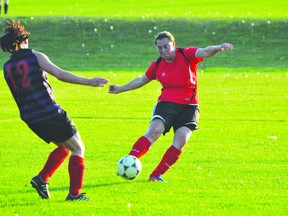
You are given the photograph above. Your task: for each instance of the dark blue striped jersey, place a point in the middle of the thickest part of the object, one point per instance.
(30, 88)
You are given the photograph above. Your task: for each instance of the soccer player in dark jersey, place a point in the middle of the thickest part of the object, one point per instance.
(177, 106)
(5, 6)
(25, 74)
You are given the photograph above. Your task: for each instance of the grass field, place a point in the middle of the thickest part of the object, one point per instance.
(90, 44)
(152, 9)
(236, 164)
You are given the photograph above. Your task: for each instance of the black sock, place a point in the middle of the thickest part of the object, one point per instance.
(5, 8)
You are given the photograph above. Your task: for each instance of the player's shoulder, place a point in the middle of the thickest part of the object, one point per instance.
(188, 49)
(190, 52)
(40, 55)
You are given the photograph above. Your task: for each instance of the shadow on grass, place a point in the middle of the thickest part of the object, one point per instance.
(66, 188)
(207, 119)
(116, 183)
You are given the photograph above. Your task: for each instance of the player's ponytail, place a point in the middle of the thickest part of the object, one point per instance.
(14, 35)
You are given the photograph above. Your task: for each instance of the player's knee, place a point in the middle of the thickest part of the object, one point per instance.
(77, 149)
(154, 134)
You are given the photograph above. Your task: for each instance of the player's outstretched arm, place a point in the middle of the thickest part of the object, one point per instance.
(134, 84)
(65, 76)
(212, 50)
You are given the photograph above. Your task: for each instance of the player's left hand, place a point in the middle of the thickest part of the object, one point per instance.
(226, 46)
(98, 82)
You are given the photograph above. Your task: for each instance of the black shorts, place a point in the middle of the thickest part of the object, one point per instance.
(57, 129)
(177, 115)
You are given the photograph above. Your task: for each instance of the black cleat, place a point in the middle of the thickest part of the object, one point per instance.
(81, 196)
(41, 187)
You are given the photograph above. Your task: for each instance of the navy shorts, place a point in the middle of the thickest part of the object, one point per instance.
(57, 129)
(177, 115)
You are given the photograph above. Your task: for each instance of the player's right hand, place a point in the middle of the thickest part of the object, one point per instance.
(113, 89)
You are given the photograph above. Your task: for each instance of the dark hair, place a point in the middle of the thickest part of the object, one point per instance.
(14, 35)
(164, 34)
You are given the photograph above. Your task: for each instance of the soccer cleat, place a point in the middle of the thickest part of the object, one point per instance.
(81, 196)
(156, 178)
(41, 187)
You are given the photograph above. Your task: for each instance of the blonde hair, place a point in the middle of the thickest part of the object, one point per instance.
(164, 34)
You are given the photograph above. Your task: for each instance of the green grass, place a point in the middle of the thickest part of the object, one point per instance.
(90, 44)
(231, 166)
(150, 8)
(102, 40)
(236, 164)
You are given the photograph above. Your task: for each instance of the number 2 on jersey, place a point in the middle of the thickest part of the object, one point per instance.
(22, 69)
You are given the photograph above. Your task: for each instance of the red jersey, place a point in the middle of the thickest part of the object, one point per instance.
(178, 78)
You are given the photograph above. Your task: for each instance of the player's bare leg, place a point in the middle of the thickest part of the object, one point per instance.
(143, 144)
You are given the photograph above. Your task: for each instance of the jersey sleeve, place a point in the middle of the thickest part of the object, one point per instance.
(190, 54)
(151, 71)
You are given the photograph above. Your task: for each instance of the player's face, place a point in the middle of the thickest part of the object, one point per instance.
(166, 48)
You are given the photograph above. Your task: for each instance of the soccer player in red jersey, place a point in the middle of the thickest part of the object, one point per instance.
(177, 106)
(25, 74)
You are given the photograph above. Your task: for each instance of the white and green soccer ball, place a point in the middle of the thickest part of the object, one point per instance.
(129, 167)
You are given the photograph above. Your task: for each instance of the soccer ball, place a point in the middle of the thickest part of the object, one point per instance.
(129, 167)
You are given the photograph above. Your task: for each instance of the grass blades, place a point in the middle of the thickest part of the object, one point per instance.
(234, 165)
(95, 44)
(208, 9)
